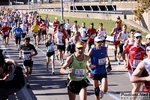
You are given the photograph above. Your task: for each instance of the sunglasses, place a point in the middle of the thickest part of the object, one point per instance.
(138, 37)
(81, 48)
(27, 41)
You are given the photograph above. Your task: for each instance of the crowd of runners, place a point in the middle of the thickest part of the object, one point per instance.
(85, 48)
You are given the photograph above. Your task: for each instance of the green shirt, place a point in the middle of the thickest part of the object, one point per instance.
(79, 69)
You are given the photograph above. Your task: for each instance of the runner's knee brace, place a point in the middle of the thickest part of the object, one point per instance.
(97, 91)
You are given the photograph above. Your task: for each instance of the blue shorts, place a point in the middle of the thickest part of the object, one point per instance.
(99, 76)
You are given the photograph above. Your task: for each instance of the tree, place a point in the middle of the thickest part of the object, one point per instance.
(142, 7)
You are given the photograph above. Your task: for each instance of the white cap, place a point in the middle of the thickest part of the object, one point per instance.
(98, 38)
(56, 18)
(137, 34)
(118, 16)
(147, 48)
(147, 36)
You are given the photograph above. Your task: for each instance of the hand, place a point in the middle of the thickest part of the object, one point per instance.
(90, 75)
(147, 78)
(30, 56)
(71, 70)
(20, 57)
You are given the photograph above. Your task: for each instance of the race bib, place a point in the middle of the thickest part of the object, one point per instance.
(135, 63)
(6, 33)
(79, 73)
(26, 57)
(102, 61)
(92, 36)
(50, 48)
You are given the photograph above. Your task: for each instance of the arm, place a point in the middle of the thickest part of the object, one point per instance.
(35, 52)
(125, 44)
(66, 64)
(137, 73)
(112, 32)
(118, 37)
(125, 57)
(11, 61)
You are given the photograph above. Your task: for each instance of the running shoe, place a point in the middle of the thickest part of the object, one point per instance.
(119, 63)
(101, 94)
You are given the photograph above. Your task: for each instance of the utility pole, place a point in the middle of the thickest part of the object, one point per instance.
(62, 10)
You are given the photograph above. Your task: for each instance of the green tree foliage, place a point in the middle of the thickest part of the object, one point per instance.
(142, 7)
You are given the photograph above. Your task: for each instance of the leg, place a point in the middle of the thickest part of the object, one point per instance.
(104, 85)
(115, 51)
(72, 96)
(53, 63)
(97, 90)
(83, 94)
(47, 62)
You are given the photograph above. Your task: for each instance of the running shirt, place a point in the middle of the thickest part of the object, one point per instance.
(55, 24)
(101, 33)
(50, 46)
(80, 69)
(92, 34)
(23, 27)
(83, 32)
(27, 50)
(5, 30)
(35, 28)
(68, 26)
(59, 36)
(123, 37)
(136, 55)
(43, 27)
(98, 59)
(116, 31)
(18, 32)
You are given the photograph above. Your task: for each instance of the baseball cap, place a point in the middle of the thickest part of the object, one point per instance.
(56, 18)
(118, 17)
(137, 34)
(147, 36)
(147, 48)
(79, 44)
(98, 38)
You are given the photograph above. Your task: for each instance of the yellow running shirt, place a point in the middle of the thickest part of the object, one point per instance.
(35, 28)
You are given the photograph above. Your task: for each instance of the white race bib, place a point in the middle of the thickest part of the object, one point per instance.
(79, 73)
(26, 57)
(102, 61)
(92, 36)
(6, 33)
(135, 63)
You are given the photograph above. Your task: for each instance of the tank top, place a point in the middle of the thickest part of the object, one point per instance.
(83, 31)
(80, 69)
(124, 36)
(102, 32)
(98, 58)
(116, 30)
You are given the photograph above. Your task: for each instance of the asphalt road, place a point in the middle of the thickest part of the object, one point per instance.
(45, 86)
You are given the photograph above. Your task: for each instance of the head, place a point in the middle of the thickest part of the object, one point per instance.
(148, 51)
(124, 27)
(27, 41)
(148, 38)
(118, 17)
(100, 25)
(132, 32)
(67, 20)
(49, 36)
(56, 19)
(91, 25)
(138, 37)
(83, 24)
(75, 22)
(98, 41)
(79, 48)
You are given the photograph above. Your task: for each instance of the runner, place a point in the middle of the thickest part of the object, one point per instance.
(18, 33)
(76, 83)
(142, 72)
(24, 28)
(43, 31)
(68, 26)
(91, 33)
(50, 55)
(74, 25)
(147, 40)
(98, 55)
(122, 37)
(115, 33)
(102, 33)
(47, 20)
(132, 56)
(5, 33)
(26, 54)
(35, 29)
(55, 24)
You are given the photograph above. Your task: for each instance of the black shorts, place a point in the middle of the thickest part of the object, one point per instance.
(49, 54)
(76, 86)
(28, 63)
(5, 36)
(35, 34)
(17, 40)
(69, 32)
(99, 76)
(43, 32)
(27, 29)
(85, 41)
(90, 43)
(23, 35)
(120, 48)
(61, 47)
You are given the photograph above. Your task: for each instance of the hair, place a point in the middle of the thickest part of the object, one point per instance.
(132, 30)
(75, 21)
(27, 38)
(101, 24)
(49, 34)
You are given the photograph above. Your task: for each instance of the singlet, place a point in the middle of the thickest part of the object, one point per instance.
(83, 31)
(136, 55)
(145, 73)
(102, 33)
(92, 34)
(80, 69)
(5, 29)
(116, 30)
(35, 28)
(50, 46)
(23, 27)
(124, 36)
(98, 58)
(26, 50)
(59, 37)
(68, 26)
(18, 32)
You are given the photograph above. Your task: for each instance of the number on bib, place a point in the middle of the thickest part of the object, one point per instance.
(79, 73)
(135, 63)
(102, 61)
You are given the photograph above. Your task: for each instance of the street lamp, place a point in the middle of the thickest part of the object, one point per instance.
(62, 11)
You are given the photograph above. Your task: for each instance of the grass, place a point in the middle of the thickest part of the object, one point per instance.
(108, 24)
